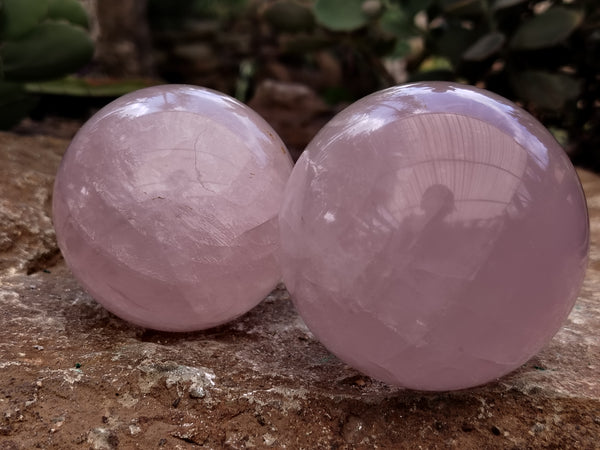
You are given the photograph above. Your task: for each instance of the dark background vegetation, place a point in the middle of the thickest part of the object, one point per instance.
(68, 57)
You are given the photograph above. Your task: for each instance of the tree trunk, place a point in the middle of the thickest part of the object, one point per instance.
(123, 43)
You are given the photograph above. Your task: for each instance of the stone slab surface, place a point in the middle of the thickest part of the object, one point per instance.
(74, 376)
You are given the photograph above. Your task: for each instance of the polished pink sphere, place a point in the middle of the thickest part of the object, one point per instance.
(434, 236)
(165, 207)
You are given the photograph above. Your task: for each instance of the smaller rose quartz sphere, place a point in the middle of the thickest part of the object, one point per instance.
(165, 207)
(434, 236)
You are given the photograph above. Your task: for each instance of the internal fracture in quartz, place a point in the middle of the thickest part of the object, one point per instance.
(165, 207)
(435, 236)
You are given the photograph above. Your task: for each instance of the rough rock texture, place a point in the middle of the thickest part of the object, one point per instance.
(74, 376)
(27, 169)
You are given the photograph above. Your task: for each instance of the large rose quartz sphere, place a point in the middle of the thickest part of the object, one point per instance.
(434, 236)
(165, 207)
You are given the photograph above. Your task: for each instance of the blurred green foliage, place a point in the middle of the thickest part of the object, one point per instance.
(39, 40)
(543, 54)
(507, 44)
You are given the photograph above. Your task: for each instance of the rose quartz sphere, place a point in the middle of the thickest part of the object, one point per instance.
(434, 236)
(165, 207)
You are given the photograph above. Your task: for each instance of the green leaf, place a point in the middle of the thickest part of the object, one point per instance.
(50, 50)
(86, 87)
(435, 63)
(485, 47)
(452, 41)
(290, 16)
(396, 22)
(548, 29)
(546, 90)
(401, 49)
(561, 135)
(15, 104)
(69, 10)
(340, 15)
(20, 16)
